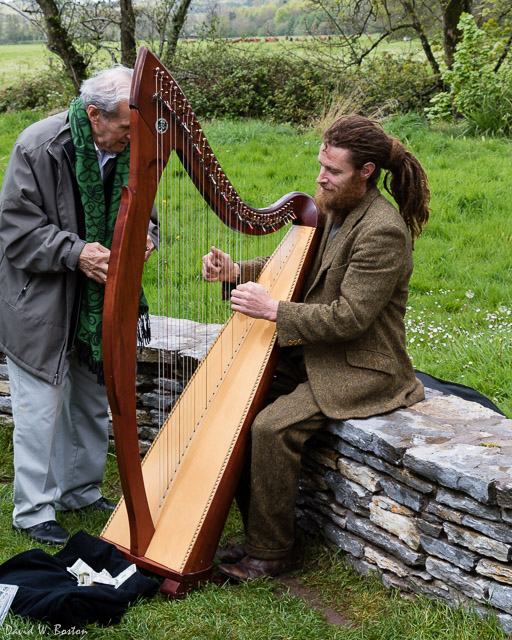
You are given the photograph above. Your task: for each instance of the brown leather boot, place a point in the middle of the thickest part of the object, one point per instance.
(230, 555)
(251, 568)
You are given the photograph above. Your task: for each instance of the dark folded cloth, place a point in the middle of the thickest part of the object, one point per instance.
(456, 389)
(48, 592)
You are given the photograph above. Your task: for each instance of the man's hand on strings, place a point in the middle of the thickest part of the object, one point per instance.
(150, 247)
(253, 300)
(219, 267)
(93, 261)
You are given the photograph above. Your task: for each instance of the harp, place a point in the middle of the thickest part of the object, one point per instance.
(172, 527)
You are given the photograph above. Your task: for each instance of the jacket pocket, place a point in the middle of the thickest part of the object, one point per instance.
(25, 288)
(375, 360)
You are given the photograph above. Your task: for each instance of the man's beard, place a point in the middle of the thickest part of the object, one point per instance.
(336, 204)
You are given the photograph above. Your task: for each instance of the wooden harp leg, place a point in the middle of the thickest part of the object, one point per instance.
(182, 585)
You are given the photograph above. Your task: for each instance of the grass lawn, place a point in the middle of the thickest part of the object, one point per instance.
(22, 60)
(459, 327)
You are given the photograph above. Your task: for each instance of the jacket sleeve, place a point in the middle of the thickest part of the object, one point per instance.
(350, 296)
(249, 272)
(29, 238)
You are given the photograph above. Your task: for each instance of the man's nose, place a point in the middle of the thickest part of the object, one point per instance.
(321, 176)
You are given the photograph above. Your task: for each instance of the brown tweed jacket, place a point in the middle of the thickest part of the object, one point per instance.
(351, 320)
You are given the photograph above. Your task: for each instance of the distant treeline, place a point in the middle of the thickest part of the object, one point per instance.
(14, 29)
(290, 18)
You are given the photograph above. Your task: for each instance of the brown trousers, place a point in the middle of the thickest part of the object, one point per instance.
(269, 484)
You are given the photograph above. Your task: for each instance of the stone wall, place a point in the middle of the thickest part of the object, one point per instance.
(422, 496)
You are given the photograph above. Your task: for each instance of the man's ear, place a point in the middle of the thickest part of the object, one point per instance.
(367, 170)
(93, 112)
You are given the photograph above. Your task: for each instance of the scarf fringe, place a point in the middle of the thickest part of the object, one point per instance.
(143, 331)
(85, 355)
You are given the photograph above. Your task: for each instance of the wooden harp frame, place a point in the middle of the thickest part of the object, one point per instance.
(158, 107)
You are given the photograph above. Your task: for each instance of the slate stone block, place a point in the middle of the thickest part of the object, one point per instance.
(444, 513)
(344, 540)
(402, 526)
(475, 588)
(449, 552)
(6, 405)
(430, 528)
(495, 530)
(501, 597)
(463, 502)
(495, 570)
(349, 494)
(468, 468)
(476, 542)
(398, 473)
(381, 538)
(403, 494)
(360, 473)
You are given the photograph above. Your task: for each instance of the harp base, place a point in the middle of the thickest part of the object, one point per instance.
(175, 585)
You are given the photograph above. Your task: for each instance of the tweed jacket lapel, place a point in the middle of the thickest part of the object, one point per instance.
(327, 252)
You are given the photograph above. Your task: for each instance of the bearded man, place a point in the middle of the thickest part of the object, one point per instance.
(344, 353)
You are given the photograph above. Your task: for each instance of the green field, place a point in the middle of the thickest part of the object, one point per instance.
(20, 60)
(32, 59)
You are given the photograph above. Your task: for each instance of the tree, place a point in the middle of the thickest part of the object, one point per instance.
(390, 18)
(76, 31)
(58, 41)
(161, 24)
(128, 44)
(453, 10)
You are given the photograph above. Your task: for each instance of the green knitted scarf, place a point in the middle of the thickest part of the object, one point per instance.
(99, 227)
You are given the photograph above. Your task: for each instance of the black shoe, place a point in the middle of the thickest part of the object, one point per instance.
(101, 504)
(48, 532)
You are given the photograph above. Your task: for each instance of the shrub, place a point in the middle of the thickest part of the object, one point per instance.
(392, 83)
(476, 92)
(222, 79)
(48, 91)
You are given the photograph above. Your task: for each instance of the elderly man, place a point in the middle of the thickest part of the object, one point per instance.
(58, 208)
(349, 358)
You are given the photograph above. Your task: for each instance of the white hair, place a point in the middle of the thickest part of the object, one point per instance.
(107, 89)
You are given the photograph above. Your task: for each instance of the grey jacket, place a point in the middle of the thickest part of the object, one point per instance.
(39, 250)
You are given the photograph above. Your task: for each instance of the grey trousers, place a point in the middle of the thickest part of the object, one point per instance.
(60, 442)
(267, 504)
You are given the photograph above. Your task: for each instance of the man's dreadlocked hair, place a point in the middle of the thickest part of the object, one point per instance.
(405, 178)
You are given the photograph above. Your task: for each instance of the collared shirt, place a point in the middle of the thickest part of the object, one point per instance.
(103, 158)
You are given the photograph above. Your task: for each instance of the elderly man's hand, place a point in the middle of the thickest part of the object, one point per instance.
(253, 300)
(150, 247)
(93, 261)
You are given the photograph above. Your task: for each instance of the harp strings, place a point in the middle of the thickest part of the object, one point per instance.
(188, 228)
